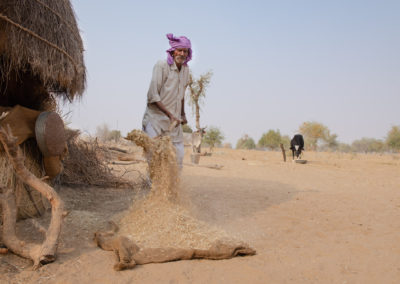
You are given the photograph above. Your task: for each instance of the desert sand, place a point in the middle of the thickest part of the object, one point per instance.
(335, 219)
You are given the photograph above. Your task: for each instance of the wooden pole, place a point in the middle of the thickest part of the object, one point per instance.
(283, 153)
(39, 253)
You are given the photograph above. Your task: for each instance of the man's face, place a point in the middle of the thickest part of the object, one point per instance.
(180, 55)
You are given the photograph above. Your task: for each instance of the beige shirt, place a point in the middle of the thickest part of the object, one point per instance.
(167, 86)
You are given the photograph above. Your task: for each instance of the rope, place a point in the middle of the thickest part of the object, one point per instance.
(5, 18)
(60, 17)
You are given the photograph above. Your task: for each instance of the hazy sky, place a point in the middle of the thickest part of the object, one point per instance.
(276, 64)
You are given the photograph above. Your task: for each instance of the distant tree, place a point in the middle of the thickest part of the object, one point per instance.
(245, 143)
(213, 137)
(186, 128)
(315, 132)
(331, 141)
(393, 138)
(196, 92)
(114, 135)
(102, 132)
(286, 141)
(343, 147)
(368, 145)
(227, 145)
(272, 139)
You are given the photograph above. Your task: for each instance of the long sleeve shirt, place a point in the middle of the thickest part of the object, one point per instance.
(167, 86)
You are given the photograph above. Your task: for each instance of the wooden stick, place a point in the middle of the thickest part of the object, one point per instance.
(46, 252)
(3, 251)
(118, 149)
(283, 152)
(124, 163)
(214, 167)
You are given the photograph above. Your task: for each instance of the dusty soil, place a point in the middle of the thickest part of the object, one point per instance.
(335, 219)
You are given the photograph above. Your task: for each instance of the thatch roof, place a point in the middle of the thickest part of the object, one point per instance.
(41, 37)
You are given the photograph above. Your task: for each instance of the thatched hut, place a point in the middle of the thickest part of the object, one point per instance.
(41, 51)
(41, 58)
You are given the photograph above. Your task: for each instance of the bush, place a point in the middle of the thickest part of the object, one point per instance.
(368, 145)
(272, 139)
(245, 142)
(213, 137)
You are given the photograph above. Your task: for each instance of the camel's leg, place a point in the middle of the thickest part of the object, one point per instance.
(45, 252)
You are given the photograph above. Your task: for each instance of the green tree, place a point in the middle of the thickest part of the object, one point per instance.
(213, 137)
(245, 142)
(315, 132)
(272, 139)
(186, 128)
(393, 138)
(196, 92)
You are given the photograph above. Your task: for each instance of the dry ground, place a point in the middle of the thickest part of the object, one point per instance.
(335, 219)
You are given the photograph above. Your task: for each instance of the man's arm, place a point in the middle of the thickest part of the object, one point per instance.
(161, 107)
(183, 115)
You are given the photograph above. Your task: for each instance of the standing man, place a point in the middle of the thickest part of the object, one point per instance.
(165, 111)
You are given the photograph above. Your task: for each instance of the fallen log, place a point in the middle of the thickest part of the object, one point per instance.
(124, 163)
(126, 158)
(118, 149)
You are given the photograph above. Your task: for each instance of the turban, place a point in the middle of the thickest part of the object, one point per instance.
(179, 42)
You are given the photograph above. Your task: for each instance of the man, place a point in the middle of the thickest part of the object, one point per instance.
(165, 111)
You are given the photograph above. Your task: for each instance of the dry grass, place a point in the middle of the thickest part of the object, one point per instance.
(85, 165)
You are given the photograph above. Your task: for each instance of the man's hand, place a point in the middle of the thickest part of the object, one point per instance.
(183, 119)
(174, 120)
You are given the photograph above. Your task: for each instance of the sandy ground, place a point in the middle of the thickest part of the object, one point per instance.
(335, 219)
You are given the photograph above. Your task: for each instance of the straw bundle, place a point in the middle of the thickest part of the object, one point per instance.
(40, 39)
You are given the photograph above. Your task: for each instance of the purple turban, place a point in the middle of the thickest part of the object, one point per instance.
(178, 42)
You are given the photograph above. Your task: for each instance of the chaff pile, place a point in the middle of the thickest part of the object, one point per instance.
(159, 228)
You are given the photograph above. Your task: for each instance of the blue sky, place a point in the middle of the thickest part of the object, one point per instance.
(276, 64)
